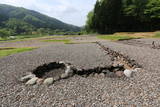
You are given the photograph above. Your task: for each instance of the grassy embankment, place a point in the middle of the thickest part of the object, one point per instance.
(116, 37)
(128, 36)
(9, 50)
(157, 35)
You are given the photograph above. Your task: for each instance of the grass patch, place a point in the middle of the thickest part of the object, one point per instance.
(1, 39)
(66, 41)
(116, 37)
(8, 51)
(157, 35)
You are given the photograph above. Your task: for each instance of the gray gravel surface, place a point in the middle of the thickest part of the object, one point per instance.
(15, 94)
(147, 82)
(143, 90)
(141, 42)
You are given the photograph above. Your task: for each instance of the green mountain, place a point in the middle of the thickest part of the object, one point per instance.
(23, 20)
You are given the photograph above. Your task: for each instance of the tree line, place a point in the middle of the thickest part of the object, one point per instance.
(14, 27)
(109, 16)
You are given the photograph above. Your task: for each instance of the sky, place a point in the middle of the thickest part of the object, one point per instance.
(69, 11)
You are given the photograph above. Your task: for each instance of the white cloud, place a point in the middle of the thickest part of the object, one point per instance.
(69, 11)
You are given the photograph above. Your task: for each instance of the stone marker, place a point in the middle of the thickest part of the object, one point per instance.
(48, 81)
(68, 71)
(57, 78)
(27, 77)
(102, 75)
(128, 73)
(137, 69)
(64, 76)
(32, 81)
(96, 75)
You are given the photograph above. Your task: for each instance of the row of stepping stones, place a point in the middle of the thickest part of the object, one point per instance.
(31, 78)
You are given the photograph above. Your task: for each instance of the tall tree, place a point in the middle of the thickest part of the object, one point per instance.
(106, 14)
(125, 15)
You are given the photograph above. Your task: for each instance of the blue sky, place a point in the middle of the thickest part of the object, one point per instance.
(69, 11)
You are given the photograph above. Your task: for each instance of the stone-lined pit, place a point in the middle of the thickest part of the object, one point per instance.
(55, 71)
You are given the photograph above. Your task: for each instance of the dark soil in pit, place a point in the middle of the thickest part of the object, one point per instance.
(98, 70)
(53, 69)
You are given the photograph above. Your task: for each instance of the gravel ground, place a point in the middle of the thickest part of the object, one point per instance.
(147, 83)
(38, 42)
(141, 42)
(141, 90)
(15, 94)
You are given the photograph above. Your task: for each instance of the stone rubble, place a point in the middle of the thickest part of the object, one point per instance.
(117, 71)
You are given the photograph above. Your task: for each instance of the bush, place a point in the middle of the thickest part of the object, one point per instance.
(4, 33)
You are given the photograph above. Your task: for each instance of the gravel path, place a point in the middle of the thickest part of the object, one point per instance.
(141, 90)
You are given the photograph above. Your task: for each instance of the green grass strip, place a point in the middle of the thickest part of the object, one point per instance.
(8, 51)
(116, 37)
(157, 35)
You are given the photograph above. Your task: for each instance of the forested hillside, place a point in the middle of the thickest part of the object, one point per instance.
(16, 20)
(111, 16)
